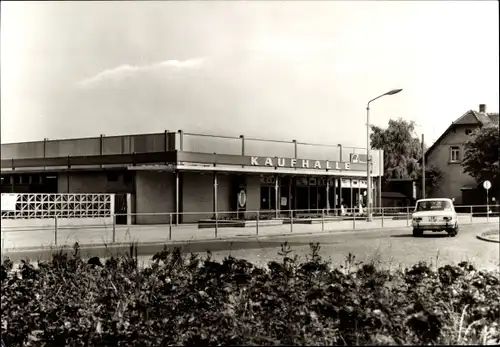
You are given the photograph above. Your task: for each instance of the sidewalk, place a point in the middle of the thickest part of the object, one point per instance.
(13, 240)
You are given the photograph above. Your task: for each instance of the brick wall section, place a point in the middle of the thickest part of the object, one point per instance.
(454, 178)
(155, 193)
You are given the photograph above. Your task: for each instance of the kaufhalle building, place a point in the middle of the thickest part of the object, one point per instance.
(194, 175)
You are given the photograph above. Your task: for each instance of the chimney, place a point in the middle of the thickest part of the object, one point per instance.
(482, 108)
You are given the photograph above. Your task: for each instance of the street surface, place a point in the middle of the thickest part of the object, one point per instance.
(392, 247)
(17, 239)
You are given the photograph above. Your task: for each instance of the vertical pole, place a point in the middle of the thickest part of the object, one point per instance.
(340, 195)
(165, 145)
(323, 219)
(290, 207)
(294, 148)
(359, 195)
(100, 146)
(423, 168)
(181, 140)
(382, 216)
(114, 228)
(177, 198)
(340, 153)
(55, 230)
(380, 168)
(215, 204)
(242, 137)
(276, 195)
(471, 215)
(350, 180)
(327, 195)
(354, 221)
(368, 162)
(257, 222)
(67, 182)
(487, 206)
(170, 227)
(291, 223)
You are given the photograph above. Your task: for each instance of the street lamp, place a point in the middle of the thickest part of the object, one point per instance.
(368, 159)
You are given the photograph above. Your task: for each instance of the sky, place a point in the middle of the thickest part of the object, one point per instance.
(271, 69)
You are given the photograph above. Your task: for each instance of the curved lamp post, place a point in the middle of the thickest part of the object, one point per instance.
(368, 159)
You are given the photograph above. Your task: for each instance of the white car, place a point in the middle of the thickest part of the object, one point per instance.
(435, 215)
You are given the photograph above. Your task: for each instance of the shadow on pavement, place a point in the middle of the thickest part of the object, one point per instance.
(428, 236)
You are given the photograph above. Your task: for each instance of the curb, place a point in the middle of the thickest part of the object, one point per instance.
(483, 237)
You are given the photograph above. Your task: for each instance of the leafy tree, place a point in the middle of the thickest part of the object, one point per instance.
(433, 177)
(402, 153)
(481, 158)
(402, 150)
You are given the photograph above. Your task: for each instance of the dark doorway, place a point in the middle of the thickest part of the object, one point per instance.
(121, 208)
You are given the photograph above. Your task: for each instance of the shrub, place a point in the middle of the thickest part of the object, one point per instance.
(187, 300)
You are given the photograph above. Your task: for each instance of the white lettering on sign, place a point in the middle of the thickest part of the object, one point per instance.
(302, 163)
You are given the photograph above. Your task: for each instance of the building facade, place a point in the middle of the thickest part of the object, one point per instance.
(194, 176)
(447, 154)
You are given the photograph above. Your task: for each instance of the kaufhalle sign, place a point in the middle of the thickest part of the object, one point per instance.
(307, 164)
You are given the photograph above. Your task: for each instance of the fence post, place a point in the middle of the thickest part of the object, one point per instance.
(216, 223)
(114, 227)
(170, 226)
(471, 215)
(55, 230)
(382, 209)
(257, 222)
(353, 220)
(322, 220)
(291, 222)
(407, 215)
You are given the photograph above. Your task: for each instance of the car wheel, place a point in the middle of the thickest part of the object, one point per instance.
(453, 232)
(417, 232)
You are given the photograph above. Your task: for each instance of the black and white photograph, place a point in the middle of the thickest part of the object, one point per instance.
(281, 172)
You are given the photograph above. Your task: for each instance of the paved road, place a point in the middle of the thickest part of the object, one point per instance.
(393, 247)
(17, 239)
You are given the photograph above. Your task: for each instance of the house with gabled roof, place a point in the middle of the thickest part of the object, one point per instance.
(447, 154)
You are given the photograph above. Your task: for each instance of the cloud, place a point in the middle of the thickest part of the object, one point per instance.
(123, 71)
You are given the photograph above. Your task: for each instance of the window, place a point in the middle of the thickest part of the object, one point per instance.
(454, 154)
(468, 131)
(434, 206)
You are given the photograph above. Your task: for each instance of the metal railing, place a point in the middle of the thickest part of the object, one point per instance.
(189, 226)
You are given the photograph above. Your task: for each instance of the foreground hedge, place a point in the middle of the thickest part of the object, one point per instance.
(192, 301)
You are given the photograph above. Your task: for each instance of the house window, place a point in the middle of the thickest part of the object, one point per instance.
(454, 154)
(468, 131)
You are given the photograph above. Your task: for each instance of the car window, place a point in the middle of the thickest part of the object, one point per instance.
(434, 206)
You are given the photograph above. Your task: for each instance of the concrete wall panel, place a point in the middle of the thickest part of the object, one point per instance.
(155, 193)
